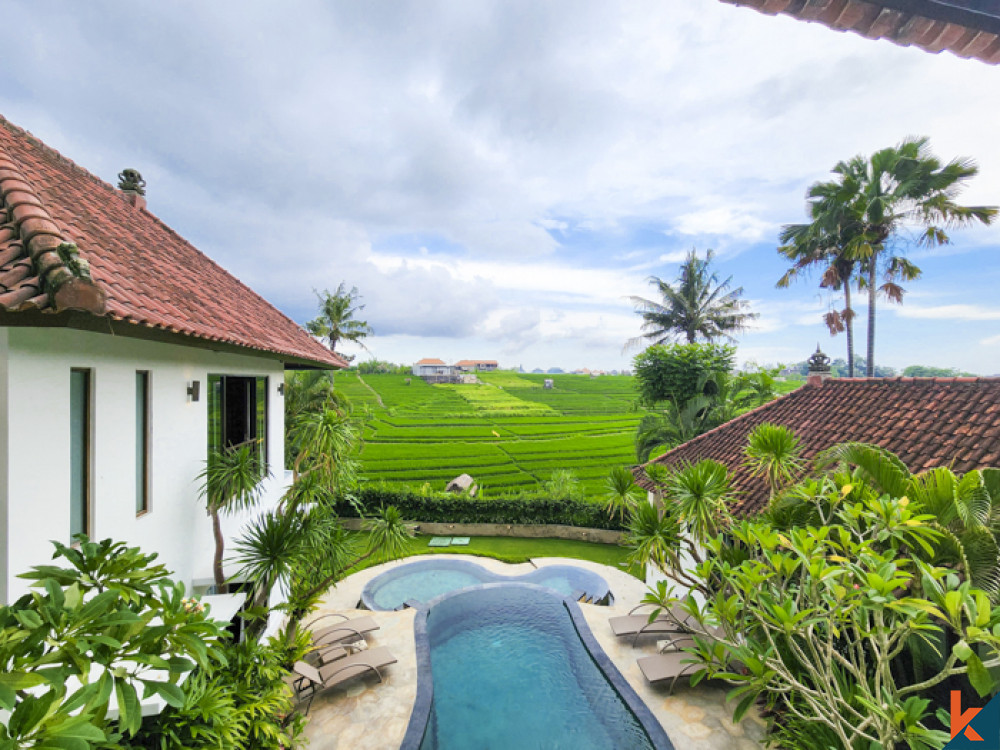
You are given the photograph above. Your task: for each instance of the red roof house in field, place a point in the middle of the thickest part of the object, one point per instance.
(125, 355)
(967, 28)
(927, 422)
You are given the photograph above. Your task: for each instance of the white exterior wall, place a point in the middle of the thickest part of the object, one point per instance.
(35, 446)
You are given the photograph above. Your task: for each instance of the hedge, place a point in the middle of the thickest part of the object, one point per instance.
(455, 508)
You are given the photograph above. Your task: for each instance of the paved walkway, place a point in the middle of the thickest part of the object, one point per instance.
(368, 715)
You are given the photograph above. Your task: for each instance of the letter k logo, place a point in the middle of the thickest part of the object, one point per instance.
(960, 721)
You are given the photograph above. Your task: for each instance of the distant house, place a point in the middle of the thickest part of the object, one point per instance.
(125, 354)
(426, 367)
(476, 365)
(927, 422)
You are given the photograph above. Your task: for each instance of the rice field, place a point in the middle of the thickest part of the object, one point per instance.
(509, 432)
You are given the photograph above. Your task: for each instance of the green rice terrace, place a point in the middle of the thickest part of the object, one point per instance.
(509, 433)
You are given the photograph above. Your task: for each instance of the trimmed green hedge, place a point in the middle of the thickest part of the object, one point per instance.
(454, 508)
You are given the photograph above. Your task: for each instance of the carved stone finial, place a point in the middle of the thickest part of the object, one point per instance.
(130, 180)
(819, 362)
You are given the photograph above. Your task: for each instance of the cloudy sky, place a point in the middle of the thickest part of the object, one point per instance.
(497, 176)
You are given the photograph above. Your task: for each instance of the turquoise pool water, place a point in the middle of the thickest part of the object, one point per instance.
(510, 671)
(424, 580)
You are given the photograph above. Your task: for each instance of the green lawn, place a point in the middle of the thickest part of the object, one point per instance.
(517, 550)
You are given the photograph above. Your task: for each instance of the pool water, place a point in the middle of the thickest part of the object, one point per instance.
(510, 672)
(424, 580)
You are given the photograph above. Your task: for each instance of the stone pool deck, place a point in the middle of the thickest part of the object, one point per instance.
(367, 715)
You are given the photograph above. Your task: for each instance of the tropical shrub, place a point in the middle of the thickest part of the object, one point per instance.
(673, 372)
(110, 623)
(453, 508)
(242, 702)
(818, 623)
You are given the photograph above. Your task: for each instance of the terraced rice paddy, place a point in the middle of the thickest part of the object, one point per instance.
(509, 433)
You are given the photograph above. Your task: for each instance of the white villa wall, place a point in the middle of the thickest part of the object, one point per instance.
(35, 446)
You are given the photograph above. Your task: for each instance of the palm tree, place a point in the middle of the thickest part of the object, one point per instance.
(696, 304)
(872, 201)
(336, 322)
(821, 244)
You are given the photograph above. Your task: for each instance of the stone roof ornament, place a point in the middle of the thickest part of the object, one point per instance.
(819, 363)
(130, 181)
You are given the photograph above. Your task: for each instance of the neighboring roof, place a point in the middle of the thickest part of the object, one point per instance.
(431, 362)
(927, 422)
(470, 362)
(70, 242)
(968, 28)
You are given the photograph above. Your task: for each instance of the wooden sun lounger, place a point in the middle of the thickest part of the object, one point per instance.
(310, 681)
(349, 630)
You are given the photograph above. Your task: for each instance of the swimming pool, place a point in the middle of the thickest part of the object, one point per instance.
(507, 666)
(424, 580)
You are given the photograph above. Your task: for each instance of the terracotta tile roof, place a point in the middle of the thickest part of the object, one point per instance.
(470, 362)
(431, 362)
(968, 28)
(59, 224)
(926, 421)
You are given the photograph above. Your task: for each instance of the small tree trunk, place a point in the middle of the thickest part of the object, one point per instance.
(850, 328)
(220, 544)
(871, 313)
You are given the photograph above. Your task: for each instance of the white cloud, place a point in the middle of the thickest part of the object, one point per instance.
(950, 312)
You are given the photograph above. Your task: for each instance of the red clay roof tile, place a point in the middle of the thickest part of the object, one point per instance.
(926, 421)
(142, 272)
(932, 25)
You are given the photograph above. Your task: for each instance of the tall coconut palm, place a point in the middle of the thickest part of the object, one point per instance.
(696, 304)
(820, 244)
(873, 201)
(336, 321)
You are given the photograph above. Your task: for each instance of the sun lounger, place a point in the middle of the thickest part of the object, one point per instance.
(342, 632)
(669, 665)
(674, 621)
(310, 681)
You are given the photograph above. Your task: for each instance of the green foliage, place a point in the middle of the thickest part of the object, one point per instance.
(773, 451)
(245, 703)
(230, 482)
(925, 371)
(110, 624)
(455, 508)
(696, 304)
(622, 493)
(336, 321)
(563, 484)
(674, 372)
(820, 619)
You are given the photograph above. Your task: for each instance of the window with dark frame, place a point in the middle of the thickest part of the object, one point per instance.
(79, 449)
(237, 413)
(142, 408)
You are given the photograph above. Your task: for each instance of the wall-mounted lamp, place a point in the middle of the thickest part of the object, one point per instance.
(194, 390)
(281, 389)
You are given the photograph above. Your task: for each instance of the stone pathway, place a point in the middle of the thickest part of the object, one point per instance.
(367, 715)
